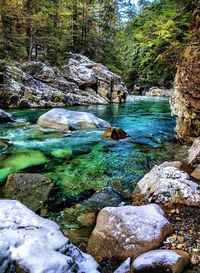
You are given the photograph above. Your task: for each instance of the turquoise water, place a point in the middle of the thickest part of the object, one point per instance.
(84, 160)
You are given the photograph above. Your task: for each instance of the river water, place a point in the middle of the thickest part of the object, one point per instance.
(83, 160)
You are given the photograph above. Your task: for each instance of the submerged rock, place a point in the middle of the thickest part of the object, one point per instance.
(5, 117)
(5, 141)
(104, 198)
(159, 92)
(161, 261)
(128, 231)
(167, 186)
(62, 119)
(62, 153)
(31, 244)
(31, 189)
(85, 214)
(115, 133)
(20, 160)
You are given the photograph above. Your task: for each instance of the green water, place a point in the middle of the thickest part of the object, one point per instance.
(83, 160)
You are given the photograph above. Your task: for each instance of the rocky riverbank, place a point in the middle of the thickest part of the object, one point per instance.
(159, 219)
(79, 82)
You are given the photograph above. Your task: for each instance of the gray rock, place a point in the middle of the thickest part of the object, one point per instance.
(104, 198)
(85, 215)
(167, 186)
(5, 117)
(86, 73)
(29, 243)
(31, 189)
(78, 72)
(39, 85)
(128, 231)
(161, 261)
(62, 119)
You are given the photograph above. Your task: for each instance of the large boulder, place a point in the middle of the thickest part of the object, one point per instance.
(31, 189)
(29, 243)
(79, 70)
(167, 186)
(161, 261)
(5, 117)
(38, 85)
(62, 119)
(128, 231)
(86, 73)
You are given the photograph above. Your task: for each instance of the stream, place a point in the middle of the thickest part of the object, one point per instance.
(83, 160)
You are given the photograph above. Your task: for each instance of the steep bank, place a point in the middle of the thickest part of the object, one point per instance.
(185, 101)
(79, 82)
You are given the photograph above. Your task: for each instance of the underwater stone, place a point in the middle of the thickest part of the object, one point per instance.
(20, 160)
(31, 189)
(62, 153)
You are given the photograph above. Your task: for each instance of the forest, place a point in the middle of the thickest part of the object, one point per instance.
(99, 136)
(143, 43)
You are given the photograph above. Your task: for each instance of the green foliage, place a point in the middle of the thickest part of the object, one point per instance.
(145, 51)
(149, 46)
(46, 29)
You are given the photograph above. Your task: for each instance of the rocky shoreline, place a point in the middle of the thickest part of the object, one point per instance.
(158, 224)
(78, 82)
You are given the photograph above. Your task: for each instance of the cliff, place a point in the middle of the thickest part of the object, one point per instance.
(185, 101)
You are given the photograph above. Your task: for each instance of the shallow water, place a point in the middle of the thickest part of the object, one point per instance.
(83, 160)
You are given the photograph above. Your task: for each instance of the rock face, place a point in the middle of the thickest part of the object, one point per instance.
(167, 186)
(79, 82)
(185, 101)
(161, 261)
(5, 117)
(62, 119)
(31, 189)
(29, 243)
(128, 231)
(158, 92)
